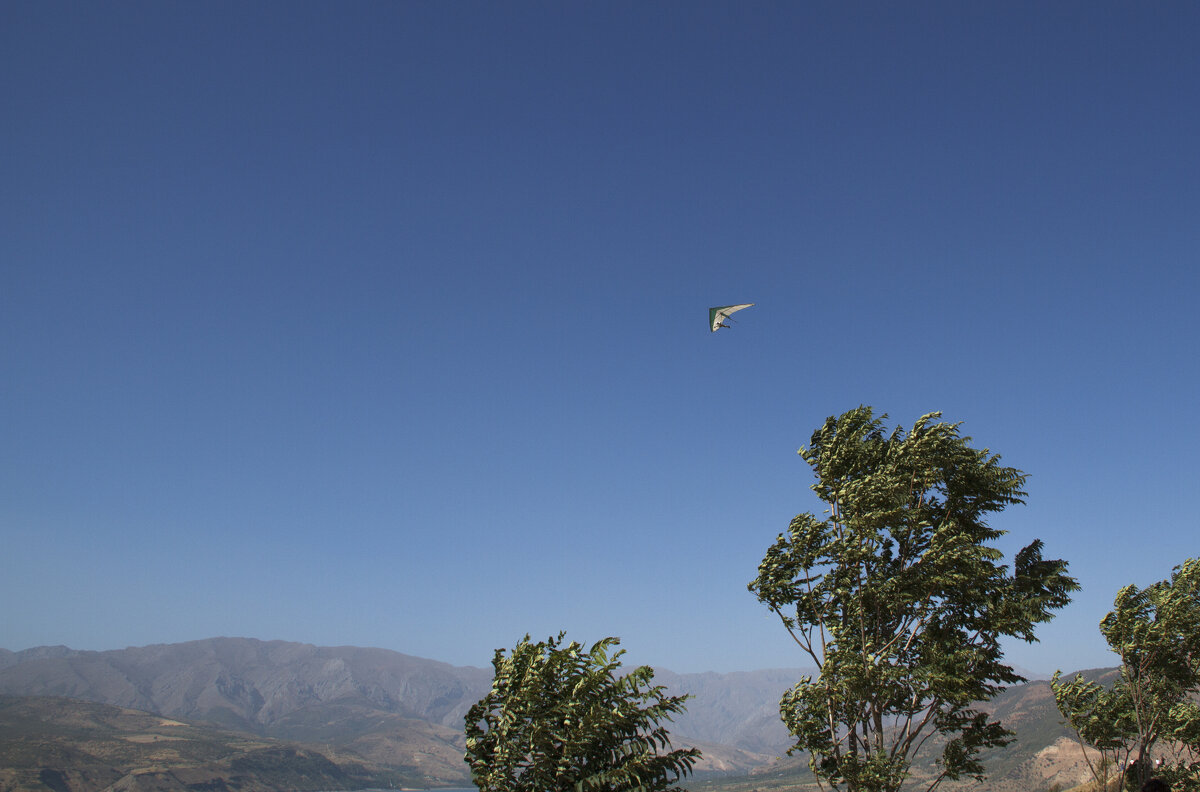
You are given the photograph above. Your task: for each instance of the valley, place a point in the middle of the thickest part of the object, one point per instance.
(237, 713)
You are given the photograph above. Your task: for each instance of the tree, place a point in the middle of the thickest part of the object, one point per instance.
(561, 718)
(1101, 718)
(1151, 704)
(900, 601)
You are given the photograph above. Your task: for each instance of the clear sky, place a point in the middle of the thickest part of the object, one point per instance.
(384, 324)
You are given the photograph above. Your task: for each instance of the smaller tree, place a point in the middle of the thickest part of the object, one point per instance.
(560, 718)
(1101, 718)
(1151, 704)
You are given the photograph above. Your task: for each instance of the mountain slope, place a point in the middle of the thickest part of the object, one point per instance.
(1042, 754)
(250, 684)
(407, 712)
(739, 709)
(390, 707)
(67, 745)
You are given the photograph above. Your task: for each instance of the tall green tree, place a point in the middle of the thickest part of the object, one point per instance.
(900, 601)
(562, 718)
(1150, 710)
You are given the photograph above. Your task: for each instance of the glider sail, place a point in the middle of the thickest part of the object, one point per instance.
(718, 315)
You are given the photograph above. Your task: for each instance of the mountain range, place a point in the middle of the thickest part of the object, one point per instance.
(405, 714)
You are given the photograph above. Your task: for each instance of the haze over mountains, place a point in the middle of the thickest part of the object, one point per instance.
(406, 712)
(389, 707)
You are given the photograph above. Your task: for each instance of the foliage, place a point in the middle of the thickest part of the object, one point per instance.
(561, 718)
(1156, 633)
(900, 601)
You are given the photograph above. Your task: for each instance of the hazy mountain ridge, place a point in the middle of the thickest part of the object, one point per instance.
(8, 658)
(407, 712)
(248, 683)
(390, 707)
(738, 709)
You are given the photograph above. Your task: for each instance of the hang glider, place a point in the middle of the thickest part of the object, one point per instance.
(718, 315)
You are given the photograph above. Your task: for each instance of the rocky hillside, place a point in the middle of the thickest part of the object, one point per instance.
(739, 709)
(1043, 755)
(385, 705)
(248, 684)
(401, 711)
(407, 712)
(67, 745)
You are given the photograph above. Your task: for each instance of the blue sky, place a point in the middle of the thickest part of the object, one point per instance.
(385, 323)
